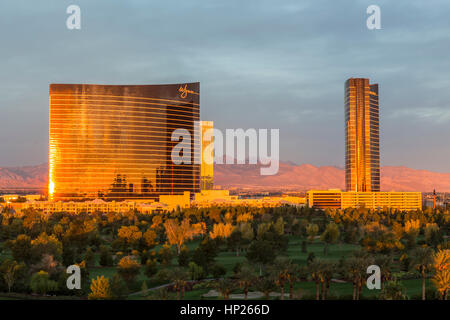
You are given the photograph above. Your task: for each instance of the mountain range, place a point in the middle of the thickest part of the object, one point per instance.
(290, 177)
(303, 177)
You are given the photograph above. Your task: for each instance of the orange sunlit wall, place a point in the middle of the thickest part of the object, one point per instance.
(207, 166)
(114, 142)
(362, 139)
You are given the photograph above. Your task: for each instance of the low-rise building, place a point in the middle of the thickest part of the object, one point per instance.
(335, 198)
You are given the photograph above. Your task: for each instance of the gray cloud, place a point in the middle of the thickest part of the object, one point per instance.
(261, 63)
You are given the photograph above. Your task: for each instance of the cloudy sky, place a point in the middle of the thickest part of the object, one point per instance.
(261, 64)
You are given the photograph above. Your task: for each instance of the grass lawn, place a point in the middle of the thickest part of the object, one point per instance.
(306, 290)
(229, 259)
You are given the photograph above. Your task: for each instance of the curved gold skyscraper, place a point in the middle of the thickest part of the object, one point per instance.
(362, 137)
(114, 141)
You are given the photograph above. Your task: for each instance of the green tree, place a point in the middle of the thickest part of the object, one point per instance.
(184, 257)
(89, 257)
(279, 226)
(118, 287)
(422, 258)
(10, 271)
(179, 278)
(312, 230)
(246, 277)
(385, 263)
(68, 254)
(315, 269)
(165, 255)
(266, 285)
(40, 283)
(225, 287)
(106, 258)
(261, 253)
(196, 272)
(151, 268)
(217, 271)
(356, 268)
(234, 241)
(329, 236)
(433, 235)
(144, 289)
(21, 248)
(393, 291)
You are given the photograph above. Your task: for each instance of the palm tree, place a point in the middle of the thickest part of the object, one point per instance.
(385, 263)
(354, 267)
(293, 274)
(282, 271)
(179, 277)
(225, 287)
(246, 277)
(315, 269)
(393, 291)
(423, 261)
(301, 274)
(328, 269)
(266, 285)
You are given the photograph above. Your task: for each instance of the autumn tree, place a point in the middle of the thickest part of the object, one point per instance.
(412, 228)
(100, 289)
(128, 269)
(179, 233)
(46, 244)
(441, 279)
(150, 238)
(221, 230)
(129, 235)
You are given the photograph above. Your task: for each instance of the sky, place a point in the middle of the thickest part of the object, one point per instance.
(260, 63)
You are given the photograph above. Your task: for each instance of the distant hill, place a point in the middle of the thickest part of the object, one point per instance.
(24, 178)
(306, 176)
(290, 177)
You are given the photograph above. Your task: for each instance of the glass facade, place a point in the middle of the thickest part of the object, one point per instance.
(207, 167)
(362, 139)
(114, 142)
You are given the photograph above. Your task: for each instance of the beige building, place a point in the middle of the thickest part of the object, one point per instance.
(209, 198)
(337, 199)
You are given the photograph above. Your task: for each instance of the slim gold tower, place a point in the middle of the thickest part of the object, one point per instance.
(362, 139)
(207, 166)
